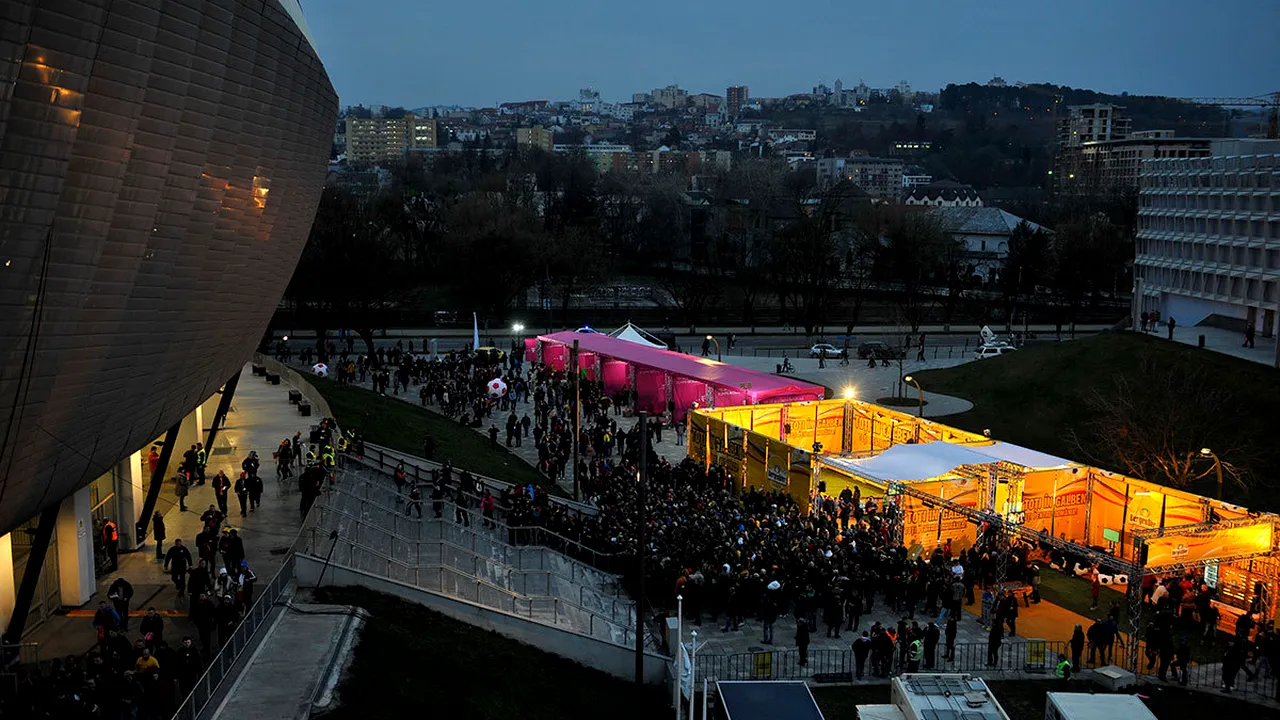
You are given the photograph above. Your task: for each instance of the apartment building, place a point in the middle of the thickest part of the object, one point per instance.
(535, 137)
(735, 97)
(1098, 122)
(1208, 241)
(380, 139)
(879, 177)
(1114, 165)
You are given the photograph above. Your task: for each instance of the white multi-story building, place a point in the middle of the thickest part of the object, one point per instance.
(1208, 248)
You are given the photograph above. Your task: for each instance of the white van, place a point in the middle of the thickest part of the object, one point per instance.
(989, 351)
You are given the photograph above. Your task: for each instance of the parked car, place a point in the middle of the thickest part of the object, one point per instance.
(880, 350)
(826, 350)
(989, 351)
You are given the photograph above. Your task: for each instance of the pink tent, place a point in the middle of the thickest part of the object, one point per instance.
(688, 392)
(615, 375)
(732, 385)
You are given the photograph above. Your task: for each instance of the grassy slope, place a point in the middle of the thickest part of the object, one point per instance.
(1034, 397)
(402, 426)
(411, 661)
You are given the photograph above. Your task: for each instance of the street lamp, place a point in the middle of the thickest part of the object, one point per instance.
(713, 339)
(919, 391)
(850, 393)
(1217, 466)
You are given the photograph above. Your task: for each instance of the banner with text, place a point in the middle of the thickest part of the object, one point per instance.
(698, 438)
(1172, 549)
(830, 429)
(1054, 501)
(778, 466)
(767, 420)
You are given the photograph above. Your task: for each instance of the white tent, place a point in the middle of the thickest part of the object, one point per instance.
(631, 333)
(929, 460)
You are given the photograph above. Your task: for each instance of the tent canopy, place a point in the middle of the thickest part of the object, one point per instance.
(758, 385)
(930, 460)
(631, 333)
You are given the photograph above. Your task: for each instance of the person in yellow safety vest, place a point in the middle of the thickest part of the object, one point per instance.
(342, 444)
(1063, 671)
(202, 459)
(311, 455)
(914, 651)
(328, 460)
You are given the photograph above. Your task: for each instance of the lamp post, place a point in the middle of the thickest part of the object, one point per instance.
(713, 339)
(642, 541)
(919, 392)
(1217, 466)
(517, 341)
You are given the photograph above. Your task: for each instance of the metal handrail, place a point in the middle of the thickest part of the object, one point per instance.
(582, 589)
(557, 601)
(474, 517)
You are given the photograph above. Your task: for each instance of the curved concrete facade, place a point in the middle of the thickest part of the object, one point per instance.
(160, 165)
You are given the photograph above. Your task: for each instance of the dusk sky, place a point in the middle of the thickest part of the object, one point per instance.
(414, 53)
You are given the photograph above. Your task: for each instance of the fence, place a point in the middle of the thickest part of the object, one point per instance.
(473, 564)
(1034, 657)
(225, 660)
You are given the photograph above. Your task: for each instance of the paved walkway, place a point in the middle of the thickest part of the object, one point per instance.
(260, 418)
(1226, 342)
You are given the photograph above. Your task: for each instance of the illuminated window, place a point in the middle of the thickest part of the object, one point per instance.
(261, 186)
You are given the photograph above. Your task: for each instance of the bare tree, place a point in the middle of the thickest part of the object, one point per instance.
(1154, 427)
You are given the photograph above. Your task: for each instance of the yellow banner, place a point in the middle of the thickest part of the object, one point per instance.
(1172, 549)
(799, 478)
(1054, 501)
(778, 467)
(697, 446)
(715, 441)
(767, 420)
(740, 416)
(757, 451)
(1106, 506)
(830, 430)
(801, 420)
(1145, 508)
(734, 453)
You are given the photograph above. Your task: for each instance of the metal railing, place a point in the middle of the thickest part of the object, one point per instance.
(205, 688)
(413, 546)
(523, 570)
(1034, 657)
(554, 611)
(382, 490)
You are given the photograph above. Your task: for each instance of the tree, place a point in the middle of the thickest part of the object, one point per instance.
(496, 244)
(919, 259)
(1153, 427)
(807, 251)
(352, 270)
(1026, 266)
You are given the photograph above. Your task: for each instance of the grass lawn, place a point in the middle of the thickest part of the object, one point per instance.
(1025, 700)
(1034, 397)
(401, 426)
(413, 662)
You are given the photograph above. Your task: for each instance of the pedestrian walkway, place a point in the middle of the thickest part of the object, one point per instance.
(261, 416)
(1227, 342)
(668, 448)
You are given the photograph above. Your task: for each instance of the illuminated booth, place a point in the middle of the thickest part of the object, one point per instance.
(949, 483)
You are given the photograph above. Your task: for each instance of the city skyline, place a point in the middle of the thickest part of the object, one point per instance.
(524, 52)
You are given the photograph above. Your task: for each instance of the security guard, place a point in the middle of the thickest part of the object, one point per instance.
(914, 651)
(111, 541)
(1063, 671)
(202, 459)
(311, 455)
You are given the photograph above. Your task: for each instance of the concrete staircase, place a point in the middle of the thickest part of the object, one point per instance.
(473, 563)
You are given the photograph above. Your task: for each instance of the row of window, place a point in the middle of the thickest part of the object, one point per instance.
(1226, 228)
(1260, 178)
(1252, 257)
(1255, 202)
(1207, 283)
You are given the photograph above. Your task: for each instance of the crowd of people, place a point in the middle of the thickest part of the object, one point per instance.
(733, 556)
(142, 670)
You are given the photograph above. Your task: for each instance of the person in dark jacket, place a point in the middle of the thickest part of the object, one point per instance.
(152, 628)
(158, 534)
(1077, 645)
(121, 592)
(1181, 659)
(255, 493)
(931, 635)
(176, 563)
(189, 666)
(221, 489)
(242, 494)
(861, 647)
(950, 634)
(802, 642)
